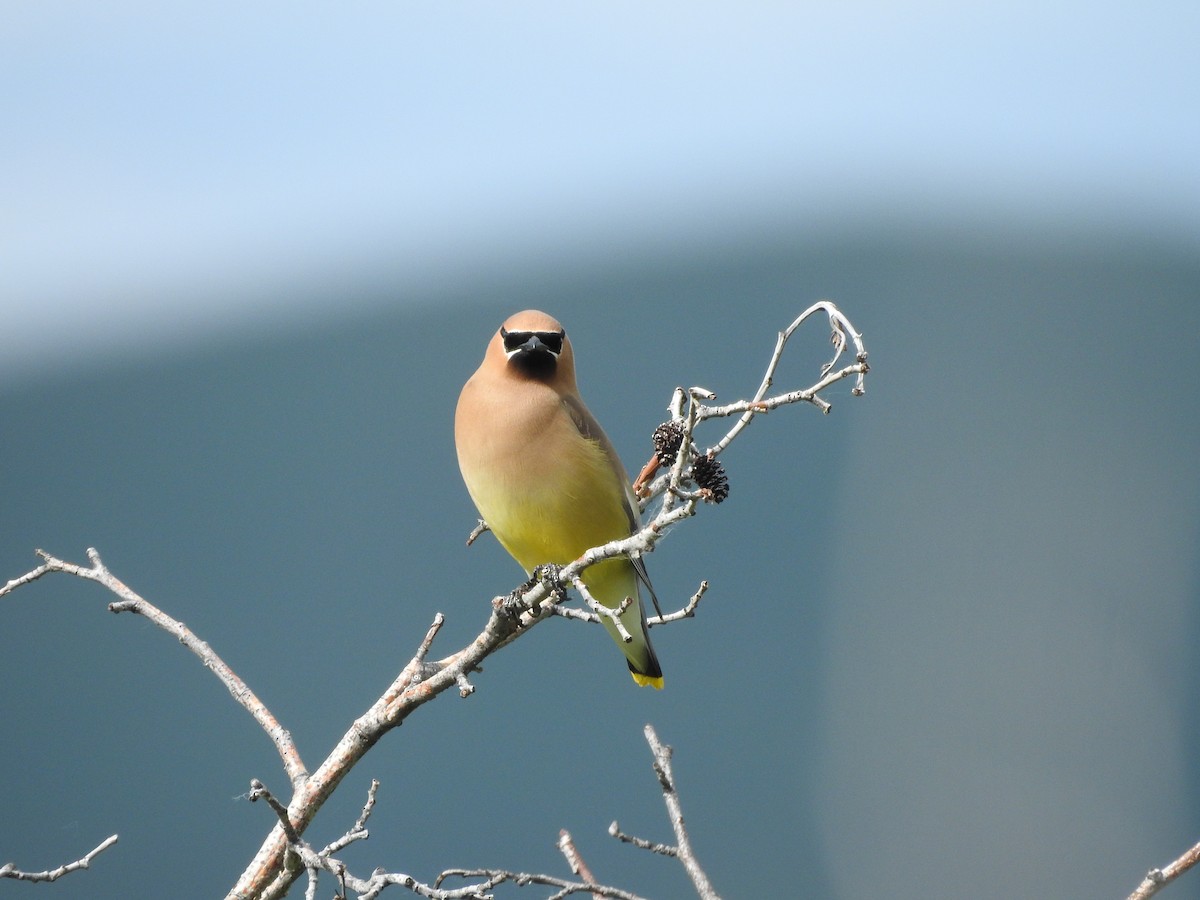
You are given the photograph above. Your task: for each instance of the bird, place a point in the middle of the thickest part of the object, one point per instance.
(544, 475)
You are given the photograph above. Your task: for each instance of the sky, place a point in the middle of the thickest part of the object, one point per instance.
(192, 168)
(249, 255)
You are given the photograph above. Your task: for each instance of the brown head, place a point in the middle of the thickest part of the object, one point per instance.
(532, 345)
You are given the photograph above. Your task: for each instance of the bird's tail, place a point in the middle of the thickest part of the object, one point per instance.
(610, 583)
(652, 679)
(639, 653)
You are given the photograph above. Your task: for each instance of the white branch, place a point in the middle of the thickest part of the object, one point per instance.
(842, 331)
(683, 844)
(686, 612)
(314, 862)
(130, 602)
(8, 870)
(612, 614)
(523, 879)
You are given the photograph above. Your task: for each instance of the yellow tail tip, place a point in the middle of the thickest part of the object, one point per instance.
(648, 681)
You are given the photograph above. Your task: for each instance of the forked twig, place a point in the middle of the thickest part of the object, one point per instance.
(683, 843)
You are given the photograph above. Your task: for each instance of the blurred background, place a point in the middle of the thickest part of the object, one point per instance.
(248, 256)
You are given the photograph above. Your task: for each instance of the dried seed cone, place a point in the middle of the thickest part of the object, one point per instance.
(709, 475)
(667, 439)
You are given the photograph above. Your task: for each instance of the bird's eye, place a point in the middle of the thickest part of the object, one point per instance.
(514, 339)
(553, 340)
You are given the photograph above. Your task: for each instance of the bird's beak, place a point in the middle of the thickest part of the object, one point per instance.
(533, 345)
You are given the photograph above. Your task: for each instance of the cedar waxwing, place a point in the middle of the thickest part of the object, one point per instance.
(543, 474)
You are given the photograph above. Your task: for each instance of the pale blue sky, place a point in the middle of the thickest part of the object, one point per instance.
(182, 169)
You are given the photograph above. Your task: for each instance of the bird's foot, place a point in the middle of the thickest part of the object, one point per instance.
(550, 574)
(514, 604)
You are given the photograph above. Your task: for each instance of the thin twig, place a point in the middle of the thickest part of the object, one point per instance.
(358, 831)
(423, 647)
(697, 411)
(570, 612)
(575, 860)
(480, 527)
(842, 331)
(8, 870)
(612, 614)
(686, 612)
(765, 405)
(35, 574)
(683, 843)
(523, 879)
(641, 843)
(129, 601)
(258, 791)
(682, 850)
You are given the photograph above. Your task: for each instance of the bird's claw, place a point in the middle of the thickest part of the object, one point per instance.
(550, 574)
(514, 603)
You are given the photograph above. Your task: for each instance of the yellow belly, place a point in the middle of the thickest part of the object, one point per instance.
(554, 511)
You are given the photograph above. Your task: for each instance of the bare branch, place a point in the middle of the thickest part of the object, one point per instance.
(316, 861)
(480, 527)
(358, 831)
(35, 574)
(1157, 879)
(523, 879)
(641, 843)
(465, 688)
(842, 332)
(258, 791)
(417, 684)
(8, 870)
(683, 844)
(688, 408)
(423, 648)
(686, 612)
(575, 859)
(570, 612)
(483, 880)
(612, 614)
(131, 602)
